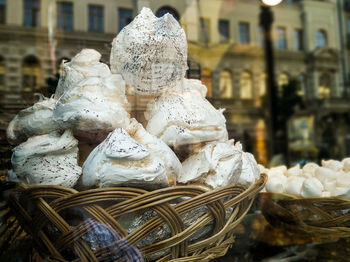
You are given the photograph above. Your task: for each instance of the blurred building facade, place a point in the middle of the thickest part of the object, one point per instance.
(225, 52)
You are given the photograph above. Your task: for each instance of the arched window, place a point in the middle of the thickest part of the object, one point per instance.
(167, 9)
(321, 38)
(2, 73)
(225, 84)
(324, 86)
(30, 74)
(283, 79)
(262, 89)
(206, 80)
(246, 85)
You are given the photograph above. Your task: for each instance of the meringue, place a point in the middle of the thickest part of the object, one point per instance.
(150, 53)
(47, 160)
(275, 184)
(216, 164)
(312, 187)
(185, 118)
(95, 107)
(122, 160)
(85, 64)
(346, 164)
(250, 171)
(294, 171)
(334, 165)
(323, 173)
(294, 185)
(32, 121)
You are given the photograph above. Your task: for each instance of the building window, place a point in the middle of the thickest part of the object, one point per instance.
(348, 25)
(95, 18)
(2, 11)
(260, 36)
(298, 40)
(2, 74)
(65, 16)
(224, 30)
(262, 89)
(30, 74)
(246, 85)
(204, 32)
(301, 85)
(281, 38)
(206, 80)
(31, 13)
(125, 17)
(324, 86)
(321, 38)
(244, 38)
(225, 84)
(167, 9)
(283, 80)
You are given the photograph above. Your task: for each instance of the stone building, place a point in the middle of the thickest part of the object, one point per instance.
(225, 51)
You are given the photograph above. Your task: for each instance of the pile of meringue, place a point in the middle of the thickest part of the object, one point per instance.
(91, 107)
(330, 179)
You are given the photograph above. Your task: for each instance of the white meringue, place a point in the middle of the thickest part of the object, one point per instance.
(275, 184)
(341, 191)
(250, 171)
(312, 187)
(343, 180)
(85, 64)
(346, 164)
(334, 165)
(185, 118)
(122, 160)
(294, 185)
(280, 170)
(323, 173)
(47, 160)
(32, 121)
(216, 164)
(329, 184)
(310, 168)
(326, 194)
(95, 107)
(294, 171)
(150, 53)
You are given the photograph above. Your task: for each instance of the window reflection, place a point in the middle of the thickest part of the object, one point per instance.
(298, 40)
(204, 32)
(30, 74)
(65, 16)
(125, 17)
(324, 86)
(226, 84)
(32, 13)
(321, 38)
(281, 38)
(246, 85)
(95, 18)
(2, 11)
(224, 27)
(244, 38)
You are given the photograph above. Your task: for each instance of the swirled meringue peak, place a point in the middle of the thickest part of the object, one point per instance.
(95, 107)
(47, 160)
(216, 164)
(181, 118)
(32, 121)
(121, 160)
(150, 53)
(85, 64)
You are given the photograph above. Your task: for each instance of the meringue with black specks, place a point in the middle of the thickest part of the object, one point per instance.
(83, 65)
(32, 121)
(49, 159)
(182, 118)
(216, 164)
(122, 160)
(250, 170)
(150, 53)
(95, 107)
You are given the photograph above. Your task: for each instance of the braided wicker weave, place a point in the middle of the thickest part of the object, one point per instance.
(48, 215)
(319, 217)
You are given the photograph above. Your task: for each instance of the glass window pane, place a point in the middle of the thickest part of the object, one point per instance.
(244, 33)
(225, 84)
(125, 17)
(223, 27)
(281, 38)
(96, 19)
(65, 16)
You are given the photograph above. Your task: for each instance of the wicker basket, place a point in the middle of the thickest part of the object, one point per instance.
(322, 218)
(47, 214)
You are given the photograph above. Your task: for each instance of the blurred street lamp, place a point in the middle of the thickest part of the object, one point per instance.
(266, 20)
